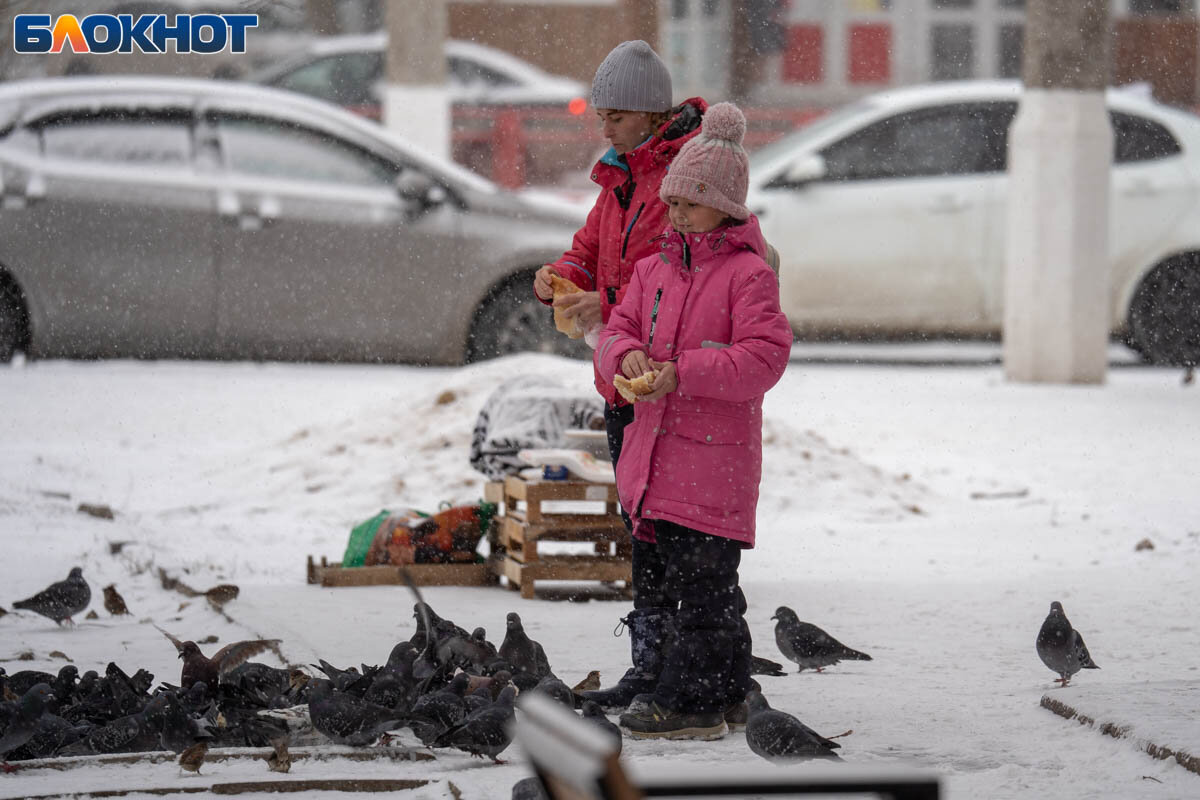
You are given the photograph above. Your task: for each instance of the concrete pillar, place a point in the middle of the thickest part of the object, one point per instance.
(1056, 315)
(415, 102)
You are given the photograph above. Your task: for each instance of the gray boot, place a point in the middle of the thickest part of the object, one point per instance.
(649, 629)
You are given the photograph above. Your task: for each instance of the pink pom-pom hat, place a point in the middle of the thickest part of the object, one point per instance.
(712, 169)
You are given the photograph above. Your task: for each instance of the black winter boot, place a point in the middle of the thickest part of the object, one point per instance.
(648, 632)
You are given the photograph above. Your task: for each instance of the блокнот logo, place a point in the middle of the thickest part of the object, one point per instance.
(121, 33)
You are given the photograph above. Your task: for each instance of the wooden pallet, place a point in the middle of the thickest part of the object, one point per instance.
(471, 574)
(528, 521)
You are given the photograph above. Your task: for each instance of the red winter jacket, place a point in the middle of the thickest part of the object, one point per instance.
(626, 218)
(711, 305)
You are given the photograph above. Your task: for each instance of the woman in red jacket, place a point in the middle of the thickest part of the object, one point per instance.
(632, 96)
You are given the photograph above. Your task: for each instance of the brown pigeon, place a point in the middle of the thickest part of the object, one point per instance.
(113, 602)
(198, 667)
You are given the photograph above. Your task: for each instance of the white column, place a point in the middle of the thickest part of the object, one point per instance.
(1060, 146)
(1056, 277)
(415, 102)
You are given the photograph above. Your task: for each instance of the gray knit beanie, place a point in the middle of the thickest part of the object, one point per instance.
(632, 78)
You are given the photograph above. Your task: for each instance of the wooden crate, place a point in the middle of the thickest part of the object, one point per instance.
(527, 521)
(466, 574)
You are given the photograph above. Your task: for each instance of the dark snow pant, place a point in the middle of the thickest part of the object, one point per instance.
(616, 418)
(706, 658)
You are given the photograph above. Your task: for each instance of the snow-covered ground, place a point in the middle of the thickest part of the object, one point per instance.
(925, 515)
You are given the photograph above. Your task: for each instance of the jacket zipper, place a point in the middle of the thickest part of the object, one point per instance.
(653, 319)
(629, 230)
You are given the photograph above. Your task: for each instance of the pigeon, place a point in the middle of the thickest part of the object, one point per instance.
(179, 730)
(60, 601)
(528, 659)
(1060, 646)
(765, 666)
(346, 719)
(52, 732)
(556, 690)
(438, 711)
(778, 736)
(589, 684)
(279, 760)
(486, 732)
(529, 789)
(593, 713)
(809, 646)
(133, 733)
(25, 717)
(198, 667)
(113, 602)
(21, 682)
(193, 757)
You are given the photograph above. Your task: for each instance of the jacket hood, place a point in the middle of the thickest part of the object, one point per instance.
(659, 150)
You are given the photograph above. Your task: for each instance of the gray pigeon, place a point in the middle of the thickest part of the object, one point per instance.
(529, 789)
(1061, 647)
(525, 656)
(60, 601)
(347, 719)
(24, 722)
(778, 736)
(556, 690)
(485, 732)
(594, 714)
(809, 646)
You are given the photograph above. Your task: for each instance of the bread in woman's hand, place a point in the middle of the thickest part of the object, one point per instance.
(631, 390)
(565, 324)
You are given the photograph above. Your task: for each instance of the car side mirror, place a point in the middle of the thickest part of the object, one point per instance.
(419, 190)
(806, 169)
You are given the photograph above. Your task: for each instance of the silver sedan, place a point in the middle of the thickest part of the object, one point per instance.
(160, 217)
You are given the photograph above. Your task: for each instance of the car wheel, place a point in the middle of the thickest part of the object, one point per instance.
(12, 322)
(1164, 317)
(512, 320)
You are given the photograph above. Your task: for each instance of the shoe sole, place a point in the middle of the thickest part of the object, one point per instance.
(700, 734)
(735, 727)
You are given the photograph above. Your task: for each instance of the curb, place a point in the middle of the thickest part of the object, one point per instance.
(1119, 731)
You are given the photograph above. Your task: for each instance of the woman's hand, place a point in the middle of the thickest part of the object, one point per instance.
(583, 306)
(663, 383)
(541, 282)
(634, 364)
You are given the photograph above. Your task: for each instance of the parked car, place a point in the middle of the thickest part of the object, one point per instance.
(347, 70)
(165, 217)
(889, 215)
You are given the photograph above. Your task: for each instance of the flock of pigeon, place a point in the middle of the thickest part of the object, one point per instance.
(450, 687)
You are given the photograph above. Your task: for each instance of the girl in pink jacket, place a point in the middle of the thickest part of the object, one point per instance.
(702, 317)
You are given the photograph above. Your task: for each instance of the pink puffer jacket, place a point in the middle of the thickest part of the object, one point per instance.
(711, 305)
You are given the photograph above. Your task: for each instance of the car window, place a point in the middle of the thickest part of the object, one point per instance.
(346, 79)
(472, 73)
(1139, 139)
(152, 139)
(956, 139)
(260, 146)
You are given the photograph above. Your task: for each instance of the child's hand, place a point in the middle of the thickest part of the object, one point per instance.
(664, 381)
(635, 364)
(541, 282)
(583, 306)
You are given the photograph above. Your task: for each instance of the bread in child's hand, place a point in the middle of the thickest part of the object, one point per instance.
(567, 325)
(631, 390)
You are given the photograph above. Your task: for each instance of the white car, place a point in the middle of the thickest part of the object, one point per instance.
(347, 70)
(889, 215)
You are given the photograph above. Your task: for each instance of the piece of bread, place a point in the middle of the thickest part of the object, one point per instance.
(567, 325)
(632, 389)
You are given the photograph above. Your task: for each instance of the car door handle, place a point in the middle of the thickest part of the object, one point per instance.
(946, 204)
(22, 197)
(229, 206)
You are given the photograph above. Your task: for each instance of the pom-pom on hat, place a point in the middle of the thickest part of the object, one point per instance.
(632, 78)
(712, 169)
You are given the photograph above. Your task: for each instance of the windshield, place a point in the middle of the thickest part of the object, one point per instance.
(763, 157)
